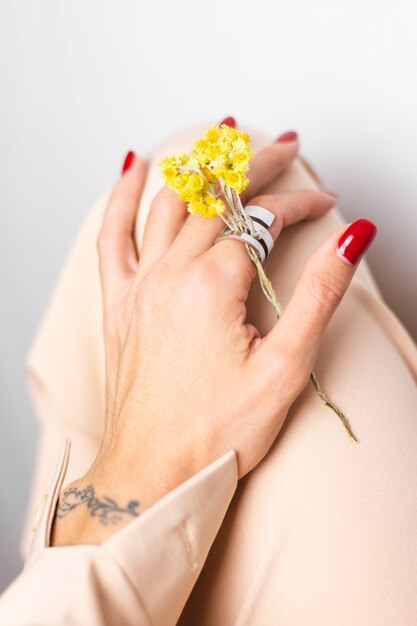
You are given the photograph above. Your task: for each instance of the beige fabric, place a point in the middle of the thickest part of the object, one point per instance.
(322, 533)
(114, 583)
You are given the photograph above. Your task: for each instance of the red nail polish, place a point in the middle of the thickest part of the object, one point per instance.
(291, 135)
(229, 121)
(127, 163)
(355, 240)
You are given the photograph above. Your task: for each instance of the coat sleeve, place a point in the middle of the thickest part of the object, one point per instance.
(141, 575)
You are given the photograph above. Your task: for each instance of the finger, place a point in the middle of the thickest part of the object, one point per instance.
(166, 217)
(116, 249)
(270, 163)
(288, 208)
(198, 233)
(322, 284)
(229, 121)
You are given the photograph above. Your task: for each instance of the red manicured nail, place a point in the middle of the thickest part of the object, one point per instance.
(127, 163)
(229, 121)
(355, 240)
(291, 135)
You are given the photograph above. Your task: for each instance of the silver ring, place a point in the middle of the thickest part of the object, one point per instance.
(262, 219)
(260, 215)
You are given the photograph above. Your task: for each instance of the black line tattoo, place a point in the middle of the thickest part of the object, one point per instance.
(106, 510)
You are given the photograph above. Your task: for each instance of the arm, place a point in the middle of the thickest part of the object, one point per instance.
(195, 397)
(159, 555)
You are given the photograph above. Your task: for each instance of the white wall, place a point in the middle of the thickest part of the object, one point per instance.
(84, 80)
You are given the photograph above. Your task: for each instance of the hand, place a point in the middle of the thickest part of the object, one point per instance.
(187, 378)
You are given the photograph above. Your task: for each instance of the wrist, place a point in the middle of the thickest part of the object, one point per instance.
(112, 493)
(146, 477)
(86, 513)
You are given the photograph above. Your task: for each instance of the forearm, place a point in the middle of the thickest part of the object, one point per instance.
(143, 573)
(86, 513)
(115, 491)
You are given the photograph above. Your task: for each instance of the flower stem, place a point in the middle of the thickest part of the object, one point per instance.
(269, 291)
(244, 224)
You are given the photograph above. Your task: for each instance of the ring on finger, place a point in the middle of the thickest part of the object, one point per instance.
(260, 240)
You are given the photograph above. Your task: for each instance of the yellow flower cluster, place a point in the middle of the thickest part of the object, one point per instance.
(222, 154)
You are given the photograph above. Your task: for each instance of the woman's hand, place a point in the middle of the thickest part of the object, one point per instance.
(187, 378)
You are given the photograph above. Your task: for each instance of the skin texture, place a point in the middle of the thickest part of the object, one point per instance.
(186, 378)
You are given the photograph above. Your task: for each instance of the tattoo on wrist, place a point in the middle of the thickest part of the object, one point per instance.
(105, 509)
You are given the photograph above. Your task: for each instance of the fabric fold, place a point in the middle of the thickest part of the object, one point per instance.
(143, 574)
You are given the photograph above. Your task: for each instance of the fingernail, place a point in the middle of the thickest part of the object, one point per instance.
(355, 240)
(229, 121)
(127, 163)
(331, 193)
(291, 135)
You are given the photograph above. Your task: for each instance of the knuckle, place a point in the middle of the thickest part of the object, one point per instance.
(297, 376)
(325, 289)
(240, 278)
(241, 273)
(289, 365)
(235, 263)
(122, 194)
(111, 237)
(119, 235)
(198, 284)
(203, 272)
(287, 374)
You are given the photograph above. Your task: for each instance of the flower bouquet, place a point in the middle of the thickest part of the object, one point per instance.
(210, 179)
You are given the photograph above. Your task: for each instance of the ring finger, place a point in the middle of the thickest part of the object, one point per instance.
(288, 208)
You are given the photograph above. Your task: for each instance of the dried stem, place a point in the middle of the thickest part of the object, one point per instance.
(243, 223)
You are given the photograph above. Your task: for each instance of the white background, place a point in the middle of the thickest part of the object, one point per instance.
(82, 81)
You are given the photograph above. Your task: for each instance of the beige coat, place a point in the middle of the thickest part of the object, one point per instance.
(322, 533)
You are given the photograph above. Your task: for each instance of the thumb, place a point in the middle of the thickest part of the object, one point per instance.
(321, 286)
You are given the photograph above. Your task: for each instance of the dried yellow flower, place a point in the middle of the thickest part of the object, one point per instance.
(221, 156)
